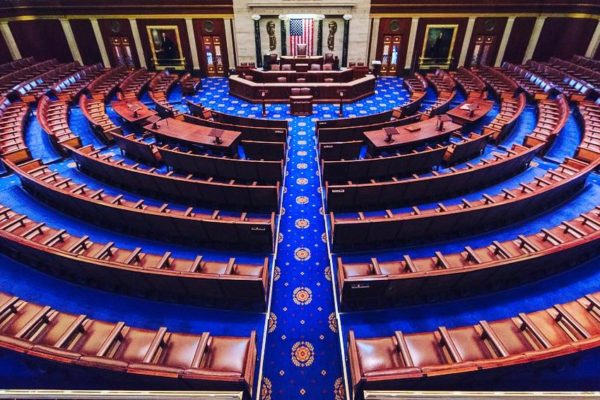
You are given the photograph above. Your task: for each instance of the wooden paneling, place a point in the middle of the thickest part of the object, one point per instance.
(474, 6)
(394, 26)
(488, 27)
(4, 52)
(420, 38)
(518, 39)
(117, 27)
(86, 41)
(114, 7)
(42, 38)
(218, 29)
(563, 37)
(183, 36)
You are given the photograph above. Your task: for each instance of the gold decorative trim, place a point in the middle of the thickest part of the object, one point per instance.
(117, 16)
(422, 395)
(450, 57)
(181, 59)
(120, 394)
(480, 15)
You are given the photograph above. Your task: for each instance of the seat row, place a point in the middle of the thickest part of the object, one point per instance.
(356, 131)
(503, 123)
(12, 66)
(583, 73)
(389, 228)
(402, 164)
(472, 271)
(131, 87)
(552, 117)
(203, 165)
(251, 128)
(104, 85)
(487, 350)
(502, 84)
(210, 192)
(470, 82)
(13, 118)
(589, 148)
(574, 89)
(195, 360)
(190, 84)
(436, 185)
(158, 90)
(586, 62)
(53, 118)
(153, 219)
(536, 86)
(104, 265)
(445, 90)
(94, 112)
(69, 88)
(29, 91)
(417, 86)
(26, 74)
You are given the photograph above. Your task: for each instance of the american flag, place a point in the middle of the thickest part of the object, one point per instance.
(301, 32)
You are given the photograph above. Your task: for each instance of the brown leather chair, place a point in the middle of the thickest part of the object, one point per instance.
(315, 67)
(301, 80)
(301, 101)
(301, 50)
(286, 67)
(275, 67)
(328, 80)
(281, 79)
(328, 67)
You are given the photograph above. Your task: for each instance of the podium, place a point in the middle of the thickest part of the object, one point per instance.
(301, 102)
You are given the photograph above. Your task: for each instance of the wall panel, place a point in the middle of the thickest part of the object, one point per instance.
(487, 27)
(41, 38)
(394, 26)
(117, 27)
(86, 41)
(518, 39)
(563, 37)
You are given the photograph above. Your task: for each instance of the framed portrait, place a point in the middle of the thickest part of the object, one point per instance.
(166, 47)
(438, 46)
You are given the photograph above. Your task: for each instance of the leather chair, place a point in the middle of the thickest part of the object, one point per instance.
(301, 80)
(301, 101)
(315, 67)
(286, 67)
(281, 79)
(275, 67)
(328, 67)
(329, 58)
(301, 50)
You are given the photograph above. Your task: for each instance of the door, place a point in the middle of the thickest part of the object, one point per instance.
(121, 51)
(482, 50)
(213, 55)
(390, 54)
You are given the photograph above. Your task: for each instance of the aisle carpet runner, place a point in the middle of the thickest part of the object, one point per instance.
(302, 356)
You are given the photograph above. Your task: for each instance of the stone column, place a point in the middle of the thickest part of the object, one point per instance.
(466, 42)
(100, 42)
(347, 18)
(412, 37)
(256, 19)
(533, 40)
(504, 41)
(594, 42)
(10, 40)
(189, 26)
(320, 38)
(283, 21)
(71, 40)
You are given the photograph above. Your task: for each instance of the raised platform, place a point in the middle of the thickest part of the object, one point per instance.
(323, 92)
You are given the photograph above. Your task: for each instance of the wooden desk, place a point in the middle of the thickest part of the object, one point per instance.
(460, 114)
(177, 131)
(132, 112)
(323, 92)
(411, 135)
(301, 60)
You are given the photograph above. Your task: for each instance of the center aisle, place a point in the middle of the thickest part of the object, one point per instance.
(302, 356)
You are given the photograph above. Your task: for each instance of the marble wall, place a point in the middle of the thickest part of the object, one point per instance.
(270, 10)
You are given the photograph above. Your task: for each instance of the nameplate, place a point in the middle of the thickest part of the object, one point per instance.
(360, 286)
(338, 191)
(328, 146)
(258, 229)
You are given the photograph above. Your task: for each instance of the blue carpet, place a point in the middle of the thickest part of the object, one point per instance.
(302, 351)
